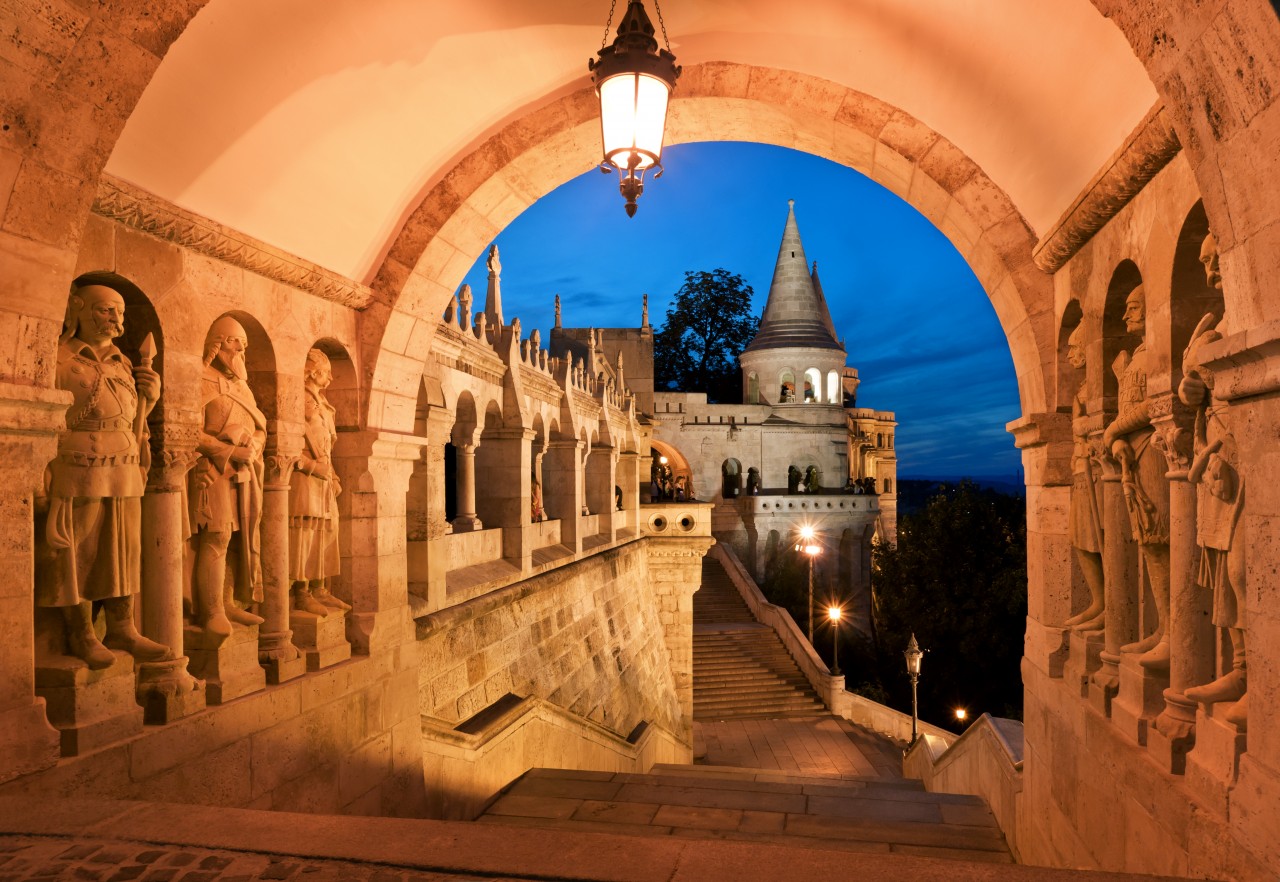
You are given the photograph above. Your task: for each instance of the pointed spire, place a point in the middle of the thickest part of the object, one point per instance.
(796, 313)
(558, 311)
(493, 299)
(822, 300)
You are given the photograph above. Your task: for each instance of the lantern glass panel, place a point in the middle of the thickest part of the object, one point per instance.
(633, 113)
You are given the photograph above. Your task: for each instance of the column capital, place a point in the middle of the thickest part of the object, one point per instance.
(1173, 422)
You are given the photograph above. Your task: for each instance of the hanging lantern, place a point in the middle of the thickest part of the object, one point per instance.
(633, 79)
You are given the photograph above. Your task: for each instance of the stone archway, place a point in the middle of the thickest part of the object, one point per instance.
(461, 214)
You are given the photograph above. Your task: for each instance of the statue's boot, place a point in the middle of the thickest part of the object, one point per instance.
(210, 571)
(1238, 716)
(123, 634)
(83, 642)
(304, 602)
(1229, 687)
(238, 615)
(1146, 644)
(1097, 623)
(1232, 685)
(325, 596)
(1156, 658)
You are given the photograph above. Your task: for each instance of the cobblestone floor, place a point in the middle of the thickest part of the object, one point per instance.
(37, 858)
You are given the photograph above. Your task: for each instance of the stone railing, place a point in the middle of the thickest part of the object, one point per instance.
(985, 761)
(469, 763)
(781, 501)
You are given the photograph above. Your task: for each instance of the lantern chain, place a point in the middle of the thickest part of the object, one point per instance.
(605, 39)
(662, 24)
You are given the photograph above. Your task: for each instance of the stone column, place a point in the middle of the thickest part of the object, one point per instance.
(1120, 571)
(507, 490)
(628, 476)
(562, 493)
(276, 650)
(30, 420)
(166, 689)
(1046, 444)
(1190, 631)
(374, 468)
(467, 521)
(427, 528)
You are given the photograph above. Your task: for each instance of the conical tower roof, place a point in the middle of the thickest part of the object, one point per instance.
(796, 313)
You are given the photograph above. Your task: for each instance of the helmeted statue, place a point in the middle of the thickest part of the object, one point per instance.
(91, 538)
(1220, 530)
(1142, 477)
(225, 486)
(313, 498)
(1084, 526)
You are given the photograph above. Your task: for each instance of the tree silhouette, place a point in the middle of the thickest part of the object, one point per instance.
(707, 326)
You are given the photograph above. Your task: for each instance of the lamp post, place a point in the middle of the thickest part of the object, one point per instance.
(914, 655)
(809, 546)
(833, 615)
(634, 80)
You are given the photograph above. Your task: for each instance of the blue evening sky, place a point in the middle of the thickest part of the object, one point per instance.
(915, 321)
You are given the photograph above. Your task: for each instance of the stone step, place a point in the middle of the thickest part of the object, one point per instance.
(830, 814)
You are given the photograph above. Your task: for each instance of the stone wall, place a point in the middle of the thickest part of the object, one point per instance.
(344, 740)
(586, 637)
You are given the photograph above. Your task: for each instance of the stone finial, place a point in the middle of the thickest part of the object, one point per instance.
(464, 308)
(644, 313)
(558, 310)
(493, 297)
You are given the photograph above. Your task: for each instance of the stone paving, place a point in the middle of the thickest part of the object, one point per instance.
(32, 859)
(826, 745)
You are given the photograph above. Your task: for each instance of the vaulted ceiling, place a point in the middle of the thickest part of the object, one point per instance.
(317, 126)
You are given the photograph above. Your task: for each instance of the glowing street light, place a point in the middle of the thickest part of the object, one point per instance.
(808, 546)
(914, 655)
(961, 715)
(833, 616)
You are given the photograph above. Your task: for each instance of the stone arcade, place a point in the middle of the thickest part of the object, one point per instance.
(292, 178)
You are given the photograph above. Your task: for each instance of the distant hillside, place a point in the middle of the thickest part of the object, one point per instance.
(913, 493)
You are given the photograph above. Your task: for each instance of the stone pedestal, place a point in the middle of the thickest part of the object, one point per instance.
(1140, 700)
(280, 658)
(167, 691)
(90, 709)
(1174, 733)
(321, 640)
(1214, 762)
(229, 670)
(1084, 648)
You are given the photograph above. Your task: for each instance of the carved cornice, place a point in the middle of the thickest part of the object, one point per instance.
(1148, 149)
(134, 207)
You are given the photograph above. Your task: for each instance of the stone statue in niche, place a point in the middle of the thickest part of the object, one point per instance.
(1084, 523)
(225, 486)
(1142, 478)
(313, 498)
(91, 543)
(1219, 500)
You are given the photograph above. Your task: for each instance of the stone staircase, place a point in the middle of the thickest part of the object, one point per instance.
(741, 670)
(846, 814)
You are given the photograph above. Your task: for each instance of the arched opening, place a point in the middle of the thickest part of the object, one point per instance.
(753, 388)
(730, 478)
(786, 387)
(812, 386)
(833, 387)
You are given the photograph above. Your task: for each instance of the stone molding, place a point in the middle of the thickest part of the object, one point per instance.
(1149, 148)
(134, 207)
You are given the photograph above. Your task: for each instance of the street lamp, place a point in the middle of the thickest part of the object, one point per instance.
(833, 615)
(808, 546)
(961, 715)
(914, 655)
(634, 80)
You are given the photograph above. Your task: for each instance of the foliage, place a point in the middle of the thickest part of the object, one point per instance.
(707, 326)
(957, 579)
